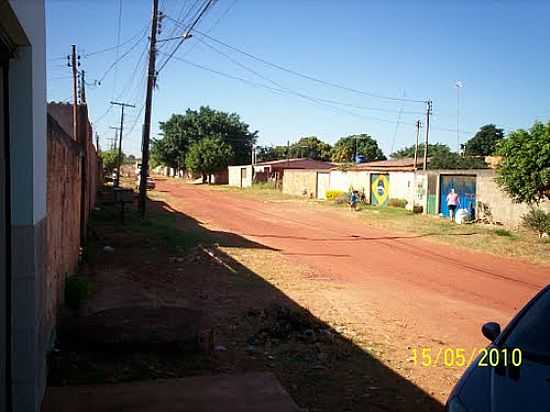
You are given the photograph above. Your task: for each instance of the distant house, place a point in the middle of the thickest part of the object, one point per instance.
(245, 175)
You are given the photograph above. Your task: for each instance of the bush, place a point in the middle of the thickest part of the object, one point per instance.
(402, 203)
(334, 194)
(503, 232)
(77, 289)
(537, 220)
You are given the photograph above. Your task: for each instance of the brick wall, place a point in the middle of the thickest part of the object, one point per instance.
(74, 172)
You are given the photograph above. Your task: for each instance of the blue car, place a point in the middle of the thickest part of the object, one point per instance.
(513, 373)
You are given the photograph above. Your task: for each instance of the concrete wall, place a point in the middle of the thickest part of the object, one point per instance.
(296, 182)
(234, 176)
(346, 180)
(27, 101)
(501, 206)
(402, 186)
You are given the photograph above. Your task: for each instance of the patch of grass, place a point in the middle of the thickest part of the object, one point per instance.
(504, 232)
(158, 229)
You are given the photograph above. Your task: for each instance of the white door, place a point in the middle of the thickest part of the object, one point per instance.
(323, 184)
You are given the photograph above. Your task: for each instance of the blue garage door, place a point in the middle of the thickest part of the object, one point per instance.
(465, 186)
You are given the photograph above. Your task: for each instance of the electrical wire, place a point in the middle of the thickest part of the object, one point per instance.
(305, 76)
(122, 57)
(207, 4)
(299, 94)
(281, 91)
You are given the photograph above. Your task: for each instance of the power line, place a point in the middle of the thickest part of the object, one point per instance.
(207, 4)
(305, 76)
(299, 94)
(118, 43)
(122, 57)
(280, 91)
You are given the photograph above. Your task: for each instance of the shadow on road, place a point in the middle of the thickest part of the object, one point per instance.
(251, 325)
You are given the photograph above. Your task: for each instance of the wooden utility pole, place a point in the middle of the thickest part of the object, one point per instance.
(288, 152)
(82, 87)
(115, 138)
(119, 157)
(147, 119)
(426, 142)
(74, 65)
(97, 142)
(418, 125)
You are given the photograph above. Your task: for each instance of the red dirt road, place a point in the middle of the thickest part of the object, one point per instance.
(433, 290)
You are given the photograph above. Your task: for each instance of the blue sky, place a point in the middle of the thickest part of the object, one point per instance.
(500, 50)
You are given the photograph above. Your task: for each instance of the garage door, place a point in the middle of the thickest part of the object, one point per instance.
(379, 189)
(464, 186)
(323, 182)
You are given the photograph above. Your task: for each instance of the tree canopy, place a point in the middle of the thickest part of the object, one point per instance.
(267, 153)
(485, 141)
(441, 157)
(208, 156)
(183, 130)
(524, 172)
(361, 144)
(109, 159)
(310, 147)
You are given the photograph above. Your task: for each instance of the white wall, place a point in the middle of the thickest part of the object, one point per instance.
(402, 187)
(344, 181)
(29, 121)
(234, 176)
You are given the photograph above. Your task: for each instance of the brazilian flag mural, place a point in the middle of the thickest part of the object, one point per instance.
(379, 189)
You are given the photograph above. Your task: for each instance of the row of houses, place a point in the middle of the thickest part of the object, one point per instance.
(424, 191)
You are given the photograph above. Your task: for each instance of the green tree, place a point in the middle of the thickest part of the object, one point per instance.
(441, 157)
(181, 131)
(363, 144)
(524, 172)
(109, 159)
(484, 142)
(310, 147)
(267, 153)
(207, 156)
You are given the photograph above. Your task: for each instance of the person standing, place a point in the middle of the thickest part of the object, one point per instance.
(452, 204)
(354, 199)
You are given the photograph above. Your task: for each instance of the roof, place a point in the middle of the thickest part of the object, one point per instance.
(299, 163)
(405, 164)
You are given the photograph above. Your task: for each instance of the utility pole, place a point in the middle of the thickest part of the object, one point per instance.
(418, 126)
(97, 142)
(458, 86)
(426, 143)
(74, 62)
(115, 138)
(82, 87)
(147, 119)
(119, 157)
(288, 153)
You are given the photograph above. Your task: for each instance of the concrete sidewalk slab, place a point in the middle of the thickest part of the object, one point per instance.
(229, 393)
